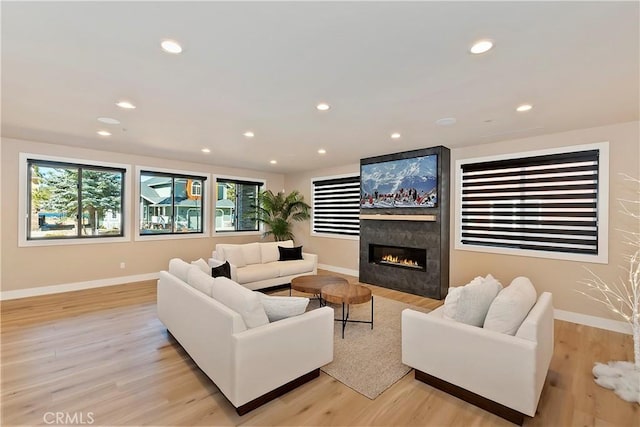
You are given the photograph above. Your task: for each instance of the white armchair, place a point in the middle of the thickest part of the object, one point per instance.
(501, 373)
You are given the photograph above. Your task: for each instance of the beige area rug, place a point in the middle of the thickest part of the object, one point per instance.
(369, 361)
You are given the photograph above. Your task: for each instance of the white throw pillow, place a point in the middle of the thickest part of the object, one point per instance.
(281, 307)
(179, 268)
(241, 300)
(200, 281)
(235, 256)
(511, 306)
(202, 265)
(252, 254)
(469, 304)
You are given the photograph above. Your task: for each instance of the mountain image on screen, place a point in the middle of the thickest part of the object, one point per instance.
(403, 183)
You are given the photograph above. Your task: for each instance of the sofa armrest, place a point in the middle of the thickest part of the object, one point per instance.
(214, 262)
(497, 366)
(314, 258)
(272, 355)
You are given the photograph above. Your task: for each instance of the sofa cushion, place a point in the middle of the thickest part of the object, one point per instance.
(511, 306)
(179, 268)
(290, 254)
(235, 256)
(201, 264)
(257, 272)
(223, 270)
(469, 304)
(270, 252)
(252, 253)
(281, 307)
(200, 280)
(287, 268)
(241, 300)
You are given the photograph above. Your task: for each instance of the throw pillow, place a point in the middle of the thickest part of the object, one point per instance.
(511, 306)
(279, 307)
(241, 300)
(202, 265)
(223, 270)
(290, 254)
(200, 281)
(252, 253)
(179, 268)
(235, 256)
(471, 302)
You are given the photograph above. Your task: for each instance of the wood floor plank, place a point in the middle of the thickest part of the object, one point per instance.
(104, 351)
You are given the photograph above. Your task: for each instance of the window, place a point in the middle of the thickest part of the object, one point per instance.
(550, 205)
(336, 206)
(171, 203)
(235, 205)
(71, 201)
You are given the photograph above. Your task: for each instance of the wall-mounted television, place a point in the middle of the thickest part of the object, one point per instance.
(401, 183)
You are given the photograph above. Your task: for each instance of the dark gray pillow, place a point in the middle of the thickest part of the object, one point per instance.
(290, 254)
(223, 270)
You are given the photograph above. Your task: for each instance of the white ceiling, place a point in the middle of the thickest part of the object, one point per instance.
(262, 66)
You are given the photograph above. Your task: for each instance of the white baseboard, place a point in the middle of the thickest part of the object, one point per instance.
(76, 286)
(340, 270)
(596, 322)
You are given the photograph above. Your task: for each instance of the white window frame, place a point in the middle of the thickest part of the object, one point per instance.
(215, 200)
(206, 232)
(603, 206)
(312, 187)
(23, 203)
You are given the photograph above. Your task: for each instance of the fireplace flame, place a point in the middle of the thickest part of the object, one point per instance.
(401, 261)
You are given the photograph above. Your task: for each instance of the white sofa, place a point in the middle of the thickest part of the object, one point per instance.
(501, 373)
(256, 265)
(249, 366)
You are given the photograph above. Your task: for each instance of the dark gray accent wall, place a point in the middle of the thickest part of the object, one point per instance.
(431, 235)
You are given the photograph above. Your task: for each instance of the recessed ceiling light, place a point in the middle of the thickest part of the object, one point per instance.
(323, 106)
(171, 46)
(524, 107)
(103, 133)
(446, 121)
(273, 162)
(481, 46)
(126, 105)
(322, 151)
(395, 135)
(249, 134)
(109, 120)
(205, 150)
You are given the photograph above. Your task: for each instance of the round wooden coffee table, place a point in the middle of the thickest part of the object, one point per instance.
(348, 294)
(313, 284)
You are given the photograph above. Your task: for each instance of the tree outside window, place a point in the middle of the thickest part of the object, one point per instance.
(74, 201)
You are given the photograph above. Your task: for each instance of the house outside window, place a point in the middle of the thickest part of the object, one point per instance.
(336, 206)
(171, 203)
(235, 205)
(74, 201)
(548, 204)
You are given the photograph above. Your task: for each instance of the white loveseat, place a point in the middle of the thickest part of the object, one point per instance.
(501, 373)
(257, 265)
(249, 366)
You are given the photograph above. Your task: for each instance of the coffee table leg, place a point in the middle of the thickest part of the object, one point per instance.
(344, 320)
(371, 311)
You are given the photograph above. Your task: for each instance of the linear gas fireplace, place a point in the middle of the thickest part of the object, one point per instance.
(396, 256)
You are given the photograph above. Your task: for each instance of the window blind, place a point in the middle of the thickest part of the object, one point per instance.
(543, 203)
(336, 206)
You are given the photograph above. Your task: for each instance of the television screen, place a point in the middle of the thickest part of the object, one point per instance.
(403, 183)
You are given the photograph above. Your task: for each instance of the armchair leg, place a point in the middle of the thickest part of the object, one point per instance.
(475, 399)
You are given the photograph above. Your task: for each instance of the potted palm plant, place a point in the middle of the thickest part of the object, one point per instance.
(278, 212)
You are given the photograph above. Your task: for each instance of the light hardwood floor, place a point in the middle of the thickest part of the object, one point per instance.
(102, 354)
